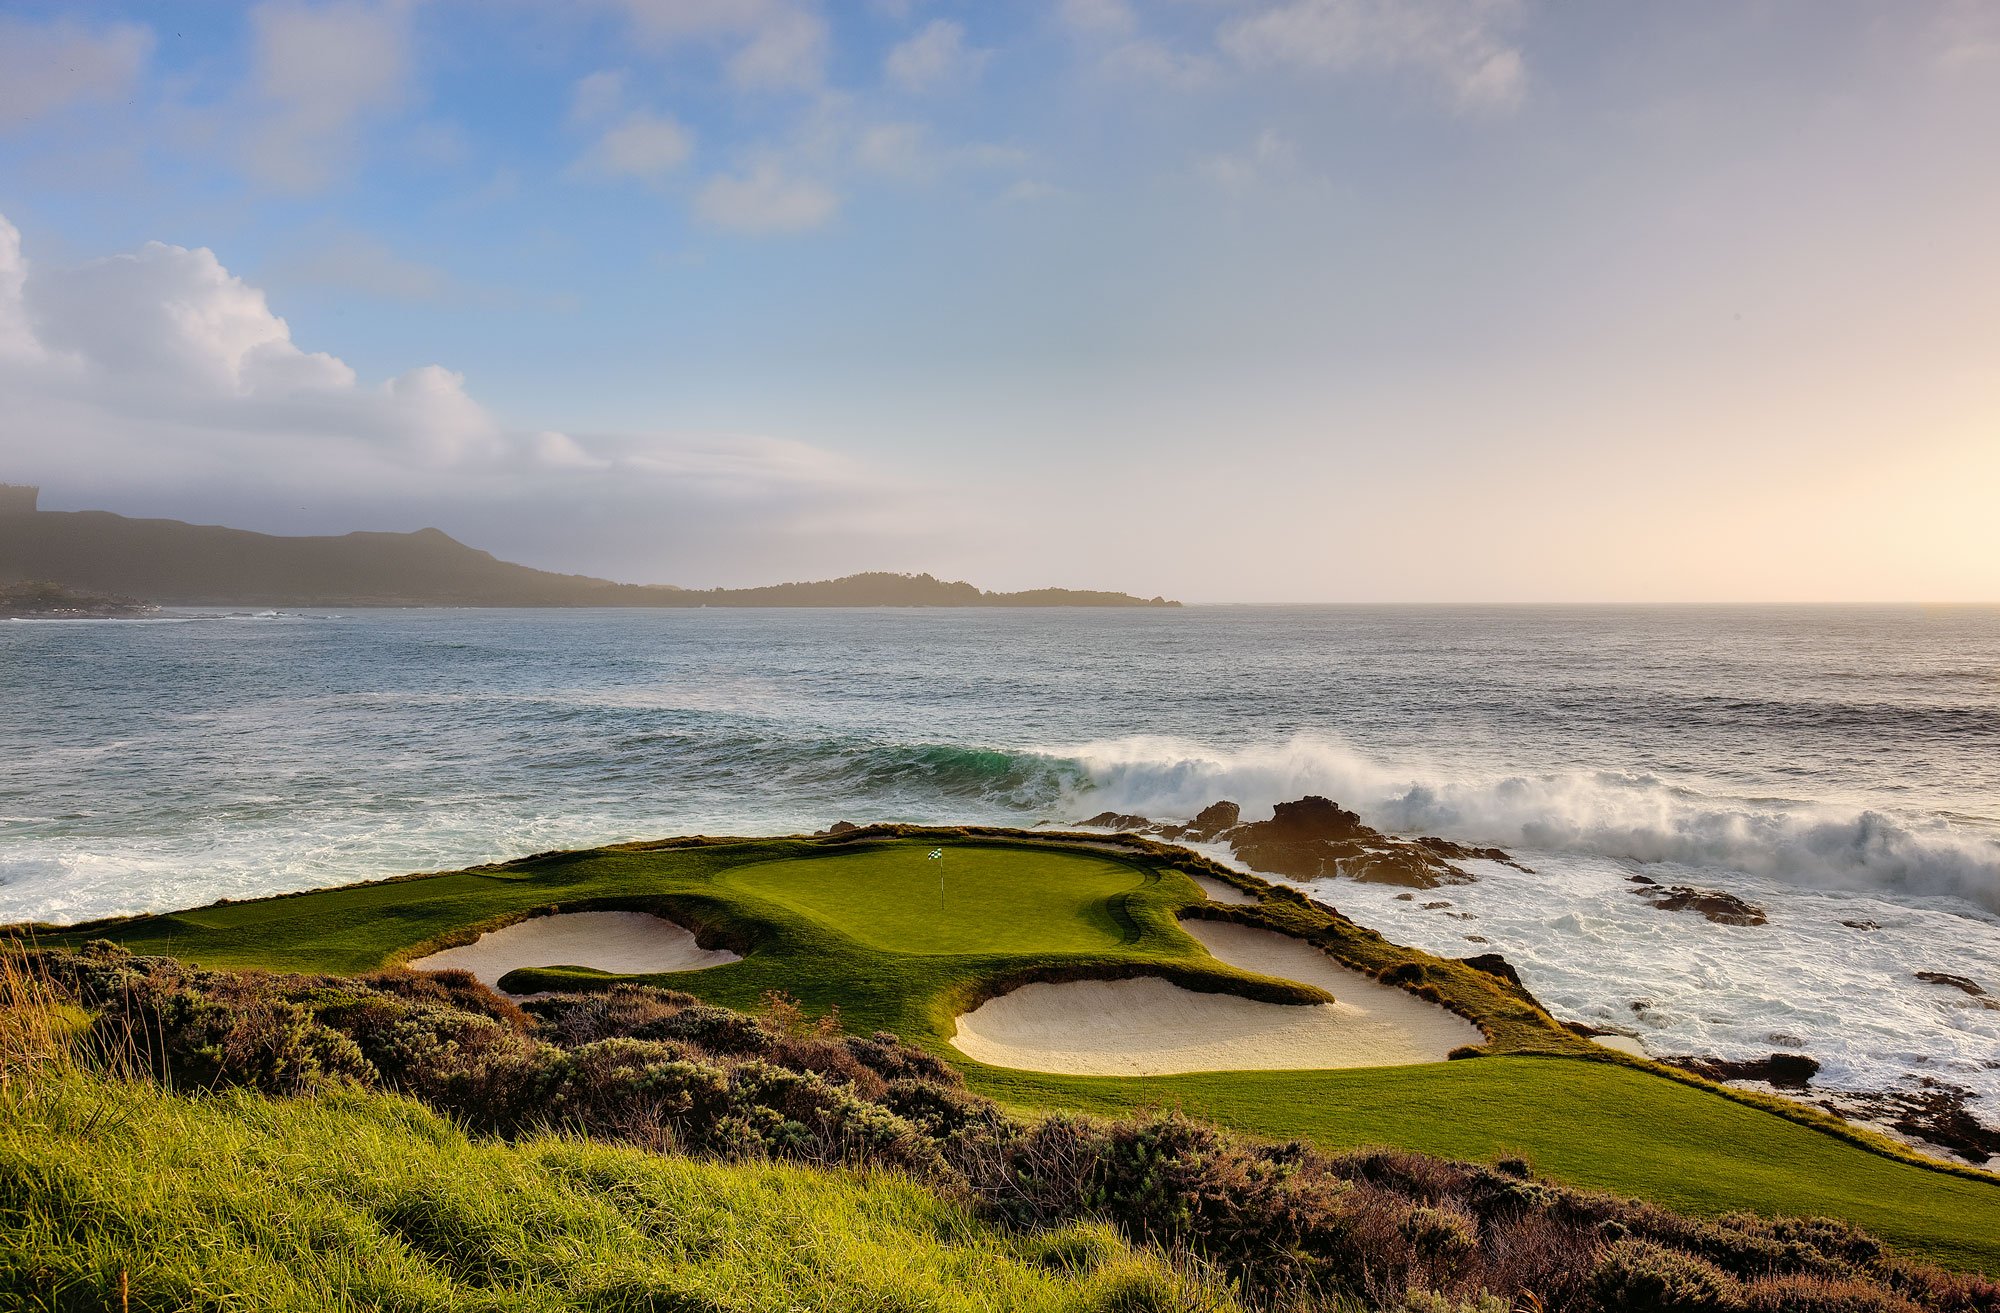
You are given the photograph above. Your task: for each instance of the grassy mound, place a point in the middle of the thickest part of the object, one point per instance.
(367, 1201)
(287, 1180)
(853, 924)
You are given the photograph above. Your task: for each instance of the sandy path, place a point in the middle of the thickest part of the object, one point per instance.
(1148, 1027)
(625, 943)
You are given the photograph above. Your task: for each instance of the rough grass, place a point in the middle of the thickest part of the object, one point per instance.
(367, 1201)
(1604, 1123)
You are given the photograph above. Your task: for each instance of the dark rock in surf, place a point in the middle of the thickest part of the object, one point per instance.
(1971, 987)
(1717, 905)
(1316, 837)
(1785, 1071)
(1116, 821)
(1862, 925)
(1460, 852)
(1213, 820)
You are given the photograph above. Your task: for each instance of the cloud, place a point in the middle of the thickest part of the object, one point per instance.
(1269, 155)
(783, 44)
(1461, 43)
(1146, 60)
(765, 199)
(45, 67)
(596, 95)
(160, 369)
(318, 73)
(933, 57)
(787, 52)
(909, 150)
(641, 145)
(1098, 16)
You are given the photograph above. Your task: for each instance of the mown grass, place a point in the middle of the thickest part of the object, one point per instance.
(1592, 1124)
(818, 919)
(368, 1201)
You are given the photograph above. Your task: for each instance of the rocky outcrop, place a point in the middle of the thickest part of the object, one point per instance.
(837, 828)
(1785, 1071)
(1211, 821)
(1460, 852)
(1119, 821)
(46, 601)
(1972, 989)
(1316, 837)
(1933, 1112)
(1718, 905)
(1960, 983)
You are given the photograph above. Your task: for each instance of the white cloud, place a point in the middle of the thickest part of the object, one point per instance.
(45, 67)
(641, 145)
(786, 52)
(1461, 43)
(318, 73)
(899, 149)
(933, 57)
(1269, 155)
(783, 42)
(909, 150)
(17, 339)
(765, 199)
(1146, 60)
(160, 369)
(596, 95)
(1098, 16)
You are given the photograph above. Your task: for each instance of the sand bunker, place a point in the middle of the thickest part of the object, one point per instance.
(1219, 892)
(624, 943)
(1148, 1027)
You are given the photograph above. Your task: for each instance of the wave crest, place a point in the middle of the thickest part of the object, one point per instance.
(1611, 814)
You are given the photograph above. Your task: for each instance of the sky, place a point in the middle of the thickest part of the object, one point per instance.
(1227, 300)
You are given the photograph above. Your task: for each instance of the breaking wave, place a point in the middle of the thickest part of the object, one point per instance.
(1636, 817)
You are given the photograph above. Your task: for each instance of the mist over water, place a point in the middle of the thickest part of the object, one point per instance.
(1832, 763)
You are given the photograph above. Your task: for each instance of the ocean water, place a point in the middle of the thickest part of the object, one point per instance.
(1830, 764)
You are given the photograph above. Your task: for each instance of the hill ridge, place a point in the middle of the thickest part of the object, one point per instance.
(176, 563)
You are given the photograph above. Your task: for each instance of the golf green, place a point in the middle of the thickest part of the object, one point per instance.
(969, 900)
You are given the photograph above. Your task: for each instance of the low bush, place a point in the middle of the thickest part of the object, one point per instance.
(1284, 1224)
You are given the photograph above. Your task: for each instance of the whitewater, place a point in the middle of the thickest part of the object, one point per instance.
(1839, 767)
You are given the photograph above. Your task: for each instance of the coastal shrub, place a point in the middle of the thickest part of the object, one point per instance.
(1287, 1225)
(1635, 1276)
(1806, 1294)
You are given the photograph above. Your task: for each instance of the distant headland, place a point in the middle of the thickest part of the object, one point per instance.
(179, 564)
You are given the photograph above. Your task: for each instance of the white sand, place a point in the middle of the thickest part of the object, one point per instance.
(1148, 1027)
(624, 943)
(1219, 892)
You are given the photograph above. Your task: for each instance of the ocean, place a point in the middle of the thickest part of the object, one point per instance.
(1832, 765)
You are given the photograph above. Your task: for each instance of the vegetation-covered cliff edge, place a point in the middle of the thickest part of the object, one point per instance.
(180, 564)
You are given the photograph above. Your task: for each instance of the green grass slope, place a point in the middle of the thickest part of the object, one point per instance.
(352, 1202)
(860, 925)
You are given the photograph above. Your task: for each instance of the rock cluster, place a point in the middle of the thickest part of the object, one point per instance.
(1315, 837)
(1717, 905)
(1785, 1071)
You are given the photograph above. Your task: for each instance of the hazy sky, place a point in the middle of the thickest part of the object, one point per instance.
(1253, 300)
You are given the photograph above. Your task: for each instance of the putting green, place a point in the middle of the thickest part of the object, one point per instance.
(856, 925)
(973, 900)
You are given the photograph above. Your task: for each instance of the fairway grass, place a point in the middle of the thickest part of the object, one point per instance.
(854, 925)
